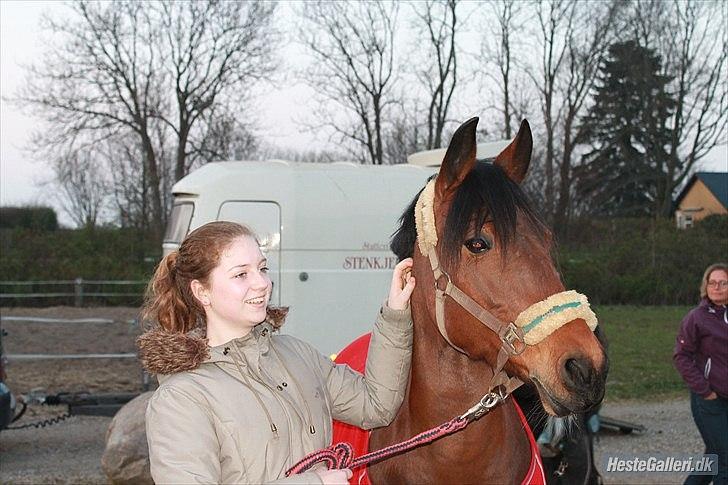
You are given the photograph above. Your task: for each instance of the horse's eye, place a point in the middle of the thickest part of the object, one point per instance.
(478, 245)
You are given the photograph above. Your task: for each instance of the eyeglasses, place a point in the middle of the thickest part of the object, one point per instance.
(718, 284)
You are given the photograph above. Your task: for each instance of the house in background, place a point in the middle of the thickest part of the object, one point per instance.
(705, 194)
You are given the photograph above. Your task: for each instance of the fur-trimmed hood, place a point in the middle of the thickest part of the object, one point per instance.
(165, 352)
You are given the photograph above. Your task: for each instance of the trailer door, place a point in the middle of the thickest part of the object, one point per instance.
(264, 218)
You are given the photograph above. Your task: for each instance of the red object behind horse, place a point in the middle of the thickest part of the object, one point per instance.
(355, 356)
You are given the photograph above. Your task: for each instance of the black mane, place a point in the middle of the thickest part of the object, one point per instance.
(486, 194)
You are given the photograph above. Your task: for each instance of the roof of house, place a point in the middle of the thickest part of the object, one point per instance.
(717, 183)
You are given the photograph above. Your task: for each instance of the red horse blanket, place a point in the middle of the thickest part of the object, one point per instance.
(355, 355)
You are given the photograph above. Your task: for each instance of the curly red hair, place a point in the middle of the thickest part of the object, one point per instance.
(169, 299)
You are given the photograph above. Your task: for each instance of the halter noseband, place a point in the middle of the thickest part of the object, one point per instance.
(532, 325)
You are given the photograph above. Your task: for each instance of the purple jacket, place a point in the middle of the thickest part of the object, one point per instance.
(701, 350)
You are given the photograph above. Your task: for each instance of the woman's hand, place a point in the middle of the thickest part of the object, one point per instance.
(403, 283)
(711, 396)
(335, 477)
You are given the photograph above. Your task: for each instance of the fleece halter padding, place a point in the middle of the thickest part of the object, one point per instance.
(539, 320)
(425, 218)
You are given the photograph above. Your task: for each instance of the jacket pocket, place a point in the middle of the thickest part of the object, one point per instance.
(711, 406)
(706, 372)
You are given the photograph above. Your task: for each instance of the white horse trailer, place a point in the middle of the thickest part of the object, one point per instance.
(325, 229)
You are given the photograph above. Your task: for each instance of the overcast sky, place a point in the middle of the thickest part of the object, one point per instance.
(22, 179)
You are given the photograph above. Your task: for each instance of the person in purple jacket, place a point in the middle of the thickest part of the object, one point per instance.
(701, 358)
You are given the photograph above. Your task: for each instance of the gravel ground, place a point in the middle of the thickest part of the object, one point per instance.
(67, 452)
(70, 451)
(670, 431)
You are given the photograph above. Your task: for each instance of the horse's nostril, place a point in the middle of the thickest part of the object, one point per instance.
(578, 372)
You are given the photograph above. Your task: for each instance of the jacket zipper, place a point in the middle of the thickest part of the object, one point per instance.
(311, 427)
(278, 399)
(270, 377)
(706, 373)
(245, 376)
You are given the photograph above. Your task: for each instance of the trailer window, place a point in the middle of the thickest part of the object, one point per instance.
(179, 222)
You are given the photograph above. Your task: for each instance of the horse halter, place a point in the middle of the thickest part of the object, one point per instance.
(532, 325)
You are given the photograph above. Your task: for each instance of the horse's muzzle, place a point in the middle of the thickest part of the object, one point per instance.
(584, 382)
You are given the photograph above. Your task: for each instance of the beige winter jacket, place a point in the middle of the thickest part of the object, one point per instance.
(246, 411)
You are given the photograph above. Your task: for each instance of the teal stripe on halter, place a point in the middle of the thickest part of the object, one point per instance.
(553, 311)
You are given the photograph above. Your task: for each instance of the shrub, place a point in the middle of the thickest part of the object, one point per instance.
(65, 254)
(34, 218)
(641, 261)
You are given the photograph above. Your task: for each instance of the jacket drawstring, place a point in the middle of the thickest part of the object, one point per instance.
(272, 425)
(311, 427)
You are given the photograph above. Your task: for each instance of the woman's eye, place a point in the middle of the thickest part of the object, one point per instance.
(478, 245)
(264, 269)
(241, 275)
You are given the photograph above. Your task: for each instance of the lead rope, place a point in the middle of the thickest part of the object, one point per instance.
(341, 455)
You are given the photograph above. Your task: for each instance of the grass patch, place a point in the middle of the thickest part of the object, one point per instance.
(641, 342)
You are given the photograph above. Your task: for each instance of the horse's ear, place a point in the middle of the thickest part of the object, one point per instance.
(515, 158)
(459, 159)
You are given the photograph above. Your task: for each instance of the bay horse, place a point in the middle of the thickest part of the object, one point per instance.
(486, 240)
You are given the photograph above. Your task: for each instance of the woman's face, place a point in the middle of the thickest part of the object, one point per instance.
(239, 287)
(717, 287)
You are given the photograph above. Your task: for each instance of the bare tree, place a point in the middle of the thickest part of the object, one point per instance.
(500, 50)
(692, 38)
(352, 44)
(437, 22)
(127, 67)
(99, 81)
(223, 135)
(214, 49)
(83, 186)
(555, 22)
(128, 186)
(587, 46)
(129, 196)
(573, 38)
(268, 151)
(405, 134)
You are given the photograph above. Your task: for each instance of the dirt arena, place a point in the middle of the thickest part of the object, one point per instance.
(78, 375)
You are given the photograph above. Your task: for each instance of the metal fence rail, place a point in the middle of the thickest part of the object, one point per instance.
(19, 357)
(77, 290)
(64, 321)
(8, 318)
(146, 380)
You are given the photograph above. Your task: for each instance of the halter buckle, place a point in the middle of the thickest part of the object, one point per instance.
(511, 338)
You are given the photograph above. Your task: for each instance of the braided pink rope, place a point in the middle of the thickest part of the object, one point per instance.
(340, 455)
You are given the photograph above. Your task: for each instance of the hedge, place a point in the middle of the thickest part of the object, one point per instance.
(615, 261)
(641, 262)
(35, 218)
(100, 254)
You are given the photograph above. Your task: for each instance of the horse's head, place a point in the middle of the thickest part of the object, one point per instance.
(489, 242)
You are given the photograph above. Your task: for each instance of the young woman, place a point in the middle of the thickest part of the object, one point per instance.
(238, 402)
(701, 357)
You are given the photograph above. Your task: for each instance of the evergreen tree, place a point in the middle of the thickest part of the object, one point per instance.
(627, 131)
